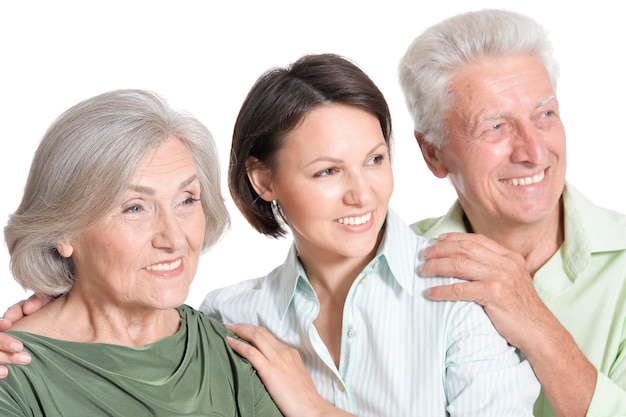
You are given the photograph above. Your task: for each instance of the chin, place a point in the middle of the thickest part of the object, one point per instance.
(170, 300)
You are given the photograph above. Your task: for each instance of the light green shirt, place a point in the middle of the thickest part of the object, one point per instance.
(584, 285)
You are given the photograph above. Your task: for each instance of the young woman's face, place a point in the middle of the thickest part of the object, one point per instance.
(333, 182)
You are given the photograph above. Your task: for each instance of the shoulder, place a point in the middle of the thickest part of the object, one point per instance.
(422, 227)
(195, 318)
(602, 229)
(243, 301)
(432, 227)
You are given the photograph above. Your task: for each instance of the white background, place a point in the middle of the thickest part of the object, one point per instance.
(203, 56)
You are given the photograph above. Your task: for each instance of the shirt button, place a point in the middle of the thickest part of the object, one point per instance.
(340, 386)
(363, 280)
(351, 333)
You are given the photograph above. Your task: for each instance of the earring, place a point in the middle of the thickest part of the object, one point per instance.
(278, 212)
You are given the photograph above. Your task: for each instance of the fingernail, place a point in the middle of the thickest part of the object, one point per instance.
(3, 372)
(15, 347)
(23, 359)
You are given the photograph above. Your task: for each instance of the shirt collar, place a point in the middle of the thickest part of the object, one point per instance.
(290, 277)
(452, 221)
(401, 249)
(604, 230)
(588, 229)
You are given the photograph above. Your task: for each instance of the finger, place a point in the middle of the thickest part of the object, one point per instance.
(488, 293)
(252, 354)
(259, 336)
(459, 291)
(3, 372)
(482, 293)
(14, 313)
(480, 241)
(11, 351)
(245, 331)
(461, 267)
(460, 249)
(5, 324)
(9, 344)
(34, 303)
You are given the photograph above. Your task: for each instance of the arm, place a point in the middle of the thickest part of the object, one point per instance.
(499, 281)
(282, 371)
(484, 375)
(11, 349)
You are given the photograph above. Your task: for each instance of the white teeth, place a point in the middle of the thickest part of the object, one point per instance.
(526, 181)
(164, 266)
(355, 221)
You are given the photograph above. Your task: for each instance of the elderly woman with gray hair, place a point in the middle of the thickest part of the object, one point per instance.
(122, 197)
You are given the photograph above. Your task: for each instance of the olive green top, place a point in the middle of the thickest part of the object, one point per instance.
(192, 373)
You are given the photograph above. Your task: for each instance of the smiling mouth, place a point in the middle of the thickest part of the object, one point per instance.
(167, 266)
(526, 180)
(355, 221)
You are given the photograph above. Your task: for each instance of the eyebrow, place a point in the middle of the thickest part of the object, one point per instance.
(497, 116)
(545, 101)
(151, 191)
(336, 160)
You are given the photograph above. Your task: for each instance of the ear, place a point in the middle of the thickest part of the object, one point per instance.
(260, 177)
(432, 156)
(65, 248)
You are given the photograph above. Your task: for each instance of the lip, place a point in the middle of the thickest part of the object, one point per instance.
(357, 222)
(526, 181)
(166, 268)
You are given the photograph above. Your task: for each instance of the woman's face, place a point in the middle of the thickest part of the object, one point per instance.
(144, 252)
(333, 182)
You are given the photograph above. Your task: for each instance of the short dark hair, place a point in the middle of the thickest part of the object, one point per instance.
(277, 104)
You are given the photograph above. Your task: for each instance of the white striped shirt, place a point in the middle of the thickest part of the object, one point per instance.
(401, 354)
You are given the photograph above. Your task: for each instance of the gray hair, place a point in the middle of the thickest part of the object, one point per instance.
(433, 57)
(80, 170)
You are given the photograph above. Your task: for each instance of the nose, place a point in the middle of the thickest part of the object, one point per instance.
(529, 146)
(358, 189)
(168, 234)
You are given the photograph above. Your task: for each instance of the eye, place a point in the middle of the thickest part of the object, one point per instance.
(134, 209)
(190, 200)
(325, 172)
(376, 160)
(494, 131)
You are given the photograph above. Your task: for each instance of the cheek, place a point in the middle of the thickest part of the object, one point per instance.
(196, 231)
(387, 183)
(559, 144)
(477, 160)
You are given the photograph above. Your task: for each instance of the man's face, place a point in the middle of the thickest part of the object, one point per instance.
(505, 151)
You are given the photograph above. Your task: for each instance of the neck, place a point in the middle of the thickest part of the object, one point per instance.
(536, 242)
(73, 319)
(333, 278)
(334, 273)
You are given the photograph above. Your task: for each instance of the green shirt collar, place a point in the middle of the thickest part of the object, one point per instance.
(588, 229)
